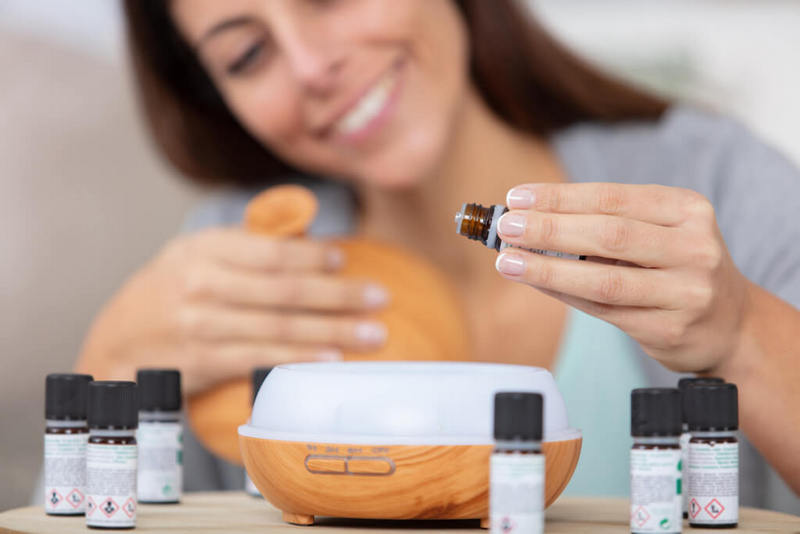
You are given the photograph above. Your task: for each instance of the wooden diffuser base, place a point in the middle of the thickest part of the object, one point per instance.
(305, 480)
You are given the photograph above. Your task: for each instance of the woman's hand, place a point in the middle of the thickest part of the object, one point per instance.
(658, 267)
(218, 303)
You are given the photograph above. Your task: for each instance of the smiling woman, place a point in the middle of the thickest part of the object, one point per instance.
(414, 107)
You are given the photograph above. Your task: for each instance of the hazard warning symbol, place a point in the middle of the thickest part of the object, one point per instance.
(54, 497)
(109, 507)
(640, 516)
(694, 508)
(507, 525)
(714, 508)
(129, 507)
(75, 497)
(91, 506)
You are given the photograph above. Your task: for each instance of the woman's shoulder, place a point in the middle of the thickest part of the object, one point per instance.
(686, 147)
(335, 216)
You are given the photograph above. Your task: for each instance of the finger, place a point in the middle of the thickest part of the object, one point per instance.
(236, 247)
(604, 236)
(607, 284)
(657, 204)
(282, 291)
(233, 360)
(225, 324)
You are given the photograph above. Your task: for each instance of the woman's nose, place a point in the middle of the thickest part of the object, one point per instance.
(315, 60)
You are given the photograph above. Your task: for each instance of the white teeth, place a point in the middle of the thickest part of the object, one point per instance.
(369, 106)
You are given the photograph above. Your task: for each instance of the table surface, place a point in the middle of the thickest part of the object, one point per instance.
(238, 512)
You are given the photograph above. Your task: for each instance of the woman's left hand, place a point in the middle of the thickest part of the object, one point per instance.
(658, 266)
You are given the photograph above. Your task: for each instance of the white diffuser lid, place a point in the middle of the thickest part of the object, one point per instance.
(396, 403)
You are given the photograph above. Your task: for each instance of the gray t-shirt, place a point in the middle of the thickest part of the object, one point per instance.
(754, 189)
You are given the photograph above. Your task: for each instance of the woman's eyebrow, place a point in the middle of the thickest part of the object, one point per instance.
(224, 25)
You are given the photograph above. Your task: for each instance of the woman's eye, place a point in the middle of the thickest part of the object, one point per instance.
(247, 59)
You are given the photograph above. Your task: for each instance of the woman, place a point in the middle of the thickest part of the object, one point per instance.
(416, 107)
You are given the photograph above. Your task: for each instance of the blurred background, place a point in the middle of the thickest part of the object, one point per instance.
(84, 199)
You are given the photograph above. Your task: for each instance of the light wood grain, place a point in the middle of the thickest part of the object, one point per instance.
(425, 482)
(424, 319)
(236, 512)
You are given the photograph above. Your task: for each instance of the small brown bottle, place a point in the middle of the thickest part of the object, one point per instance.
(259, 375)
(111, 455)
(517, 465)
(65, 437)
(713, 470)
(655, 461)
(479, 223)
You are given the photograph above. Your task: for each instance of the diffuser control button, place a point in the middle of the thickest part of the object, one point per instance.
(369, 466)
(326, 464)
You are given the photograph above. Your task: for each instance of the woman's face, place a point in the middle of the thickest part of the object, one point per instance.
(362, 89)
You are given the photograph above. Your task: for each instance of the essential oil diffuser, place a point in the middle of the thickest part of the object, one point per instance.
(424, 318)
(391, 440)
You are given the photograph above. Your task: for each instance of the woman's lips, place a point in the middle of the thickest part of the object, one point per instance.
(371, 110)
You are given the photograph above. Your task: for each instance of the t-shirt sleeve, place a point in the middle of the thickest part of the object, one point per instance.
(756, 194)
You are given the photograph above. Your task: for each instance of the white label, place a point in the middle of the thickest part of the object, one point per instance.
(110, 485)
(551, 253)
(249, 487)
(65, 473)
(714, 483)
(516, 493)
(160, 461)
(656, 490)
(684, 441)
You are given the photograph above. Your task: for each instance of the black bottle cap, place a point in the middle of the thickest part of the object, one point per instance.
(159, 390)
(259, 374)
(712, 406)
(113, 404)
(66, 396)
(684, 383)
(518, 416)
(655, 412)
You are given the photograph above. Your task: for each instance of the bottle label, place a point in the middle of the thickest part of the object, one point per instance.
(684, 441)
(656, 490)
(110, 485)
(714, 483)
(516, 493)
(65, 473)
(160, 476)
(551, 253)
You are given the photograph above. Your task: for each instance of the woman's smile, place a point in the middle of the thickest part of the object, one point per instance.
(363, 119)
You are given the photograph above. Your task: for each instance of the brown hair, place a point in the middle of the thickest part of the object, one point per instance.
(525, 75)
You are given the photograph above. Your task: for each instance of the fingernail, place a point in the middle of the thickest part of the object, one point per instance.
(510, 264)
(375, 296)
(519, 198)
(334, 259)
(511, 224)
(329, 356)
(371, 333)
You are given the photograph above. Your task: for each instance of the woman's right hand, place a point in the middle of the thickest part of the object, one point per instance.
(220, 302)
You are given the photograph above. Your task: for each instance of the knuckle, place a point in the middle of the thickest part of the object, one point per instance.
(610, 199)
(611, 289)
(547, 232)
(543, 275)
(700, 296)
(550, 199)
(699, 207)
(615, 236)
(674, 333)
(709, 255)
(197, 282)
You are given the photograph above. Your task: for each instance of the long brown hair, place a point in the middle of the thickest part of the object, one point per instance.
(526, 76)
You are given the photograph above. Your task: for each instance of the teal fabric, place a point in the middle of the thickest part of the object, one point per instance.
(595, 370)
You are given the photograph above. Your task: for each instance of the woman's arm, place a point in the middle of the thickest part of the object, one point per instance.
(660, 270)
